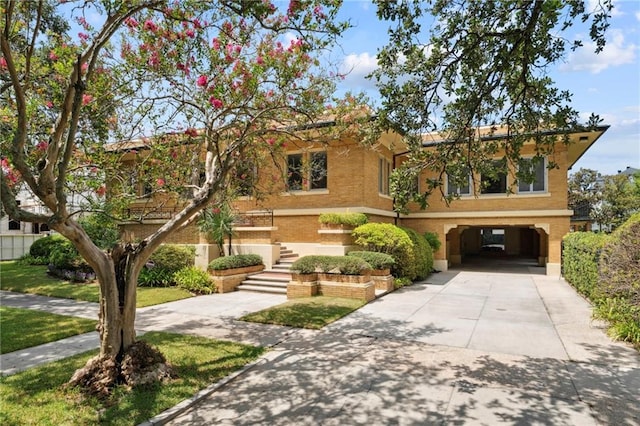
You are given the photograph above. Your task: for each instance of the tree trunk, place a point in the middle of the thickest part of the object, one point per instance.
(121, 360)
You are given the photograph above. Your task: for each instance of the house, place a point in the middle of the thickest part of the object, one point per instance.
(344, 176)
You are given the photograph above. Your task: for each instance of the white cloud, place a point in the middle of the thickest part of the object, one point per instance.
(357, 66)
(638, 16)
(615, 53)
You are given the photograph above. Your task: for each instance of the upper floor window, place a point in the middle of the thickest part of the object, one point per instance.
(532, 175)
(14, 225)
(495, 182)
(459, 183)
(307, 171)
(384, 173)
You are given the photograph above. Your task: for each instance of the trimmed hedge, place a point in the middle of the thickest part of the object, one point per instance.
(173, 257)
(389, 239)
(581, 253)
(375, 259)
(422, 252)
(235, 261)
(346, 265)
(349, 219)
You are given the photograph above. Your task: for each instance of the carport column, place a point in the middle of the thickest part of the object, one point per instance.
(452, 239)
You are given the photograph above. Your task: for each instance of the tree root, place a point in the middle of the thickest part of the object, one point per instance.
(142, 364)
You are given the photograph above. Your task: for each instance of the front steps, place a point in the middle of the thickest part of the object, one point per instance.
(272, 280)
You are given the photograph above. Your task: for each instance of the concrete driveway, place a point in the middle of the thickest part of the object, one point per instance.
(460, 348)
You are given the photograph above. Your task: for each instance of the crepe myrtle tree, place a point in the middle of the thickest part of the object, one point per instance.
(210, 84)
(454, 66)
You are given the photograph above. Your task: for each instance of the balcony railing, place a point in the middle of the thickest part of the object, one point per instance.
(255, 218)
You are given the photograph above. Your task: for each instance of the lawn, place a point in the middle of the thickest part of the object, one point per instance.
(309, 312)
(36, 396)
(24, 328)
(34, 280)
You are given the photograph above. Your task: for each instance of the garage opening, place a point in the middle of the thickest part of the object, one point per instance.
(490, 247)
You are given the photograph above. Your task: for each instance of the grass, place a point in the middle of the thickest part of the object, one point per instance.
(35, 280)
(36, 396)
(24, 328)
(309, 312)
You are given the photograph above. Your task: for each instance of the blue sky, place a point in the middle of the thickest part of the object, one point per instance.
(607, 84)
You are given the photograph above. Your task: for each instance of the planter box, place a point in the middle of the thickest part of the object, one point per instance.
(333, 285)
(383, 282)
(226, 280)
(340, 278)
(336, 236)
(297, 290)
(363, 291)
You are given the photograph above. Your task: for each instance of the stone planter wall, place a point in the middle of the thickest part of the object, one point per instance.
(226, 280)
(383, 282)
(333, 285)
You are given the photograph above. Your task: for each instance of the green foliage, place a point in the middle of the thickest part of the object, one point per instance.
(401, 282)
(423, 255)
(433, 240)
(65, 256)
(330, 264)
(580, 256)
(623, 317)
(28, 259)
(173, 257)
(389, 239)
(194, 280)
(217, 223)
(43, 247)
(348, 219)
(375, 259)
(155, 277)
(235, 261)
(617, 200)
(102, 230)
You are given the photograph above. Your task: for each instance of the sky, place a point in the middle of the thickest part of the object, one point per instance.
(607, 84)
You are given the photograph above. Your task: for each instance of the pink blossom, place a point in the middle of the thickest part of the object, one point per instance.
(49, 104)
(53, 56)
(197, 24)
(189, 132)
(154, 60)
(86, 99)
(131, 22)
(149, 25)
(3, 62)
(42, 146)
(101, 191)
(83, 36)
(202, 80)
(84, 67)
(215, 102)
(173, 154)
(160, 182)
(271, 141)
(260, 61)
(215, 43)
(190, 33)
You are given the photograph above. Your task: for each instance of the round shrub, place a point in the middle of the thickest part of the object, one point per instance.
(348, 219)
(172, 257)
(389, 239)
(375, 259)
(43, 247)
(235, 261)
(195, 280)
(66, 257)
(423, 254)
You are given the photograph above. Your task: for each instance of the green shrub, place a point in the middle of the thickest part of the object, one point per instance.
(433, 240)
(580, 256)
(401, 282)
(375, 259)
(173, 257)
(101, 229)
(235, 261)
(155, 277)
(42, 247)
(330, 264)
(619, 275)
(348, 219)
(29, 260)
(423, 254)
(389, 239)
(195, 280)
(66, 257)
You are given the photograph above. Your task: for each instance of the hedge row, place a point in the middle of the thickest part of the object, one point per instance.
(606, 269)
(347, 265)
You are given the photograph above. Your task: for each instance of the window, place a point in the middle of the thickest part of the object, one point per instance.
(495, 182)
(307, 171)
(532, 174)
(384, 172)
(14, 225)
(245, 177)
(459, 183)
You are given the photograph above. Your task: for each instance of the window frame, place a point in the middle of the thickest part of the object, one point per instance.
(306, 180)
(545, 177)
(502, 176)
(384, 176)
(458, 189)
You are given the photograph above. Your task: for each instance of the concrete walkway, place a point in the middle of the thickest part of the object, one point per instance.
(461, 348)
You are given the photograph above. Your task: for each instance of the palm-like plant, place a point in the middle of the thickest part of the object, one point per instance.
(217, 223)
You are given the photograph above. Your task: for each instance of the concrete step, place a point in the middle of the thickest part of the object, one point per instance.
(262, 289)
